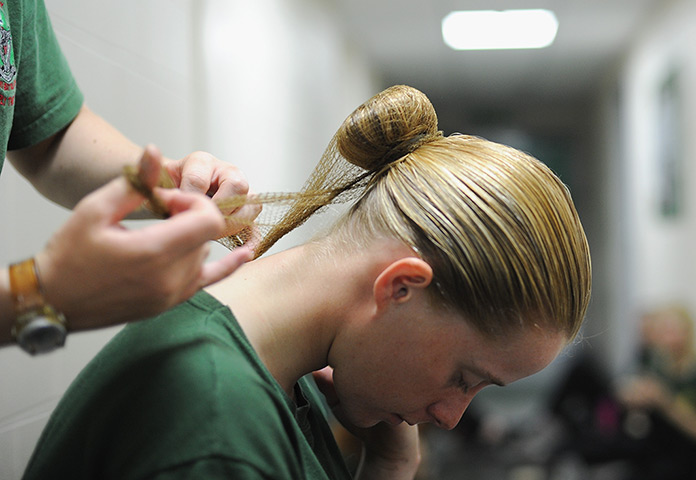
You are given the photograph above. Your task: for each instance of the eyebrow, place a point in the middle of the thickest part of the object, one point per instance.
(486, 375)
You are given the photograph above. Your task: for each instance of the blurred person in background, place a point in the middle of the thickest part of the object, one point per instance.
(661, 397)
(643, 422)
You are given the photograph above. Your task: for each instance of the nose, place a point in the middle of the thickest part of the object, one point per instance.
(446, 413)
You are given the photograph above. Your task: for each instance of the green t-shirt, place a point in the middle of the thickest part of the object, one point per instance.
(38, 95)
(184, 395)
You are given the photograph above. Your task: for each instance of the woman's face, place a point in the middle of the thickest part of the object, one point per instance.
(419, 365)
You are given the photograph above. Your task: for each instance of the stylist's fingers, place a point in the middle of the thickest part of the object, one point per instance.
(150, 166)
(242, 218)
(196, 173)
(113, 202)
(231, 183)
(100, 273)
(109, 204)
(204, 173)
(194, 220)
(215, 271)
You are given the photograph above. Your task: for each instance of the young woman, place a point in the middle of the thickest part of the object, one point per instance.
(461, 264)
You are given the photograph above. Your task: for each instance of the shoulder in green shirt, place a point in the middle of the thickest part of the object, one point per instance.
(185, 394)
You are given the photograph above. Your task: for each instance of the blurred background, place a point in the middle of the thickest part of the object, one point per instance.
(610, 106)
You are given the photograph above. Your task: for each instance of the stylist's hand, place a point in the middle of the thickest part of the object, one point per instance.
(99, 273)
(202, 172)
(389, 452)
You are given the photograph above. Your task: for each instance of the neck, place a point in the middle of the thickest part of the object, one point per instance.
(291, 306)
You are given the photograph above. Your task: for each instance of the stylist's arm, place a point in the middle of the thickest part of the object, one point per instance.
(98, 273)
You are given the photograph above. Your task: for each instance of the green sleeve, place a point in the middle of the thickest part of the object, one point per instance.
(47, 96)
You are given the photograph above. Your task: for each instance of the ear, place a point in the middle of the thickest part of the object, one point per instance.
(400, 280)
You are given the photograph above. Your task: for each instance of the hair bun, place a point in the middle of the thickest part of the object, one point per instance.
(388, 126)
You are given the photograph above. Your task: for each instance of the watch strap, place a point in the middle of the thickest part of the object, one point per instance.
(38, 327)
(25, 287)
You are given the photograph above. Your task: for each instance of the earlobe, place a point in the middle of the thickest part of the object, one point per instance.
(400, 280)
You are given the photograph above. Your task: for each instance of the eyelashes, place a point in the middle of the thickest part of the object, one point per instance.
(466, 387)
(462, 384)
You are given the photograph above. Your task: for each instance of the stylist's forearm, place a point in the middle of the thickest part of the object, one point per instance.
(81, 158)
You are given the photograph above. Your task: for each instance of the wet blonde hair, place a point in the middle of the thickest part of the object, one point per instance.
(498, 228)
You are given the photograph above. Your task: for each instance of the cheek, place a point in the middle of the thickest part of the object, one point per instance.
(382, 385)
(366, 381)
(404, 372)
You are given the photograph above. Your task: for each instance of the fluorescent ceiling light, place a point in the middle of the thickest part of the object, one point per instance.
(493, 30)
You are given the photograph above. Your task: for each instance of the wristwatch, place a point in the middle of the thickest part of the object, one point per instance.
(38, 327)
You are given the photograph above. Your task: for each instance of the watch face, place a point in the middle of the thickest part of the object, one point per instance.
(42, 334)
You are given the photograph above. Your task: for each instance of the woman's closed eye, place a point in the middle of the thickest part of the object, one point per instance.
(469, 387)
(462, 384)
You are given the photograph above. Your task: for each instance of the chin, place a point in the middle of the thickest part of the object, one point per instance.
(369, 423)
(361, 421)
(365, 422)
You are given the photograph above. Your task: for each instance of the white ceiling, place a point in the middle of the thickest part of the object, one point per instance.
(403, 40)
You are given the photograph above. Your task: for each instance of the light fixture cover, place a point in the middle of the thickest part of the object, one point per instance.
(494, 30)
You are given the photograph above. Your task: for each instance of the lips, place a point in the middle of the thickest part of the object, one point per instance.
(396, 419)
(409, 422)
